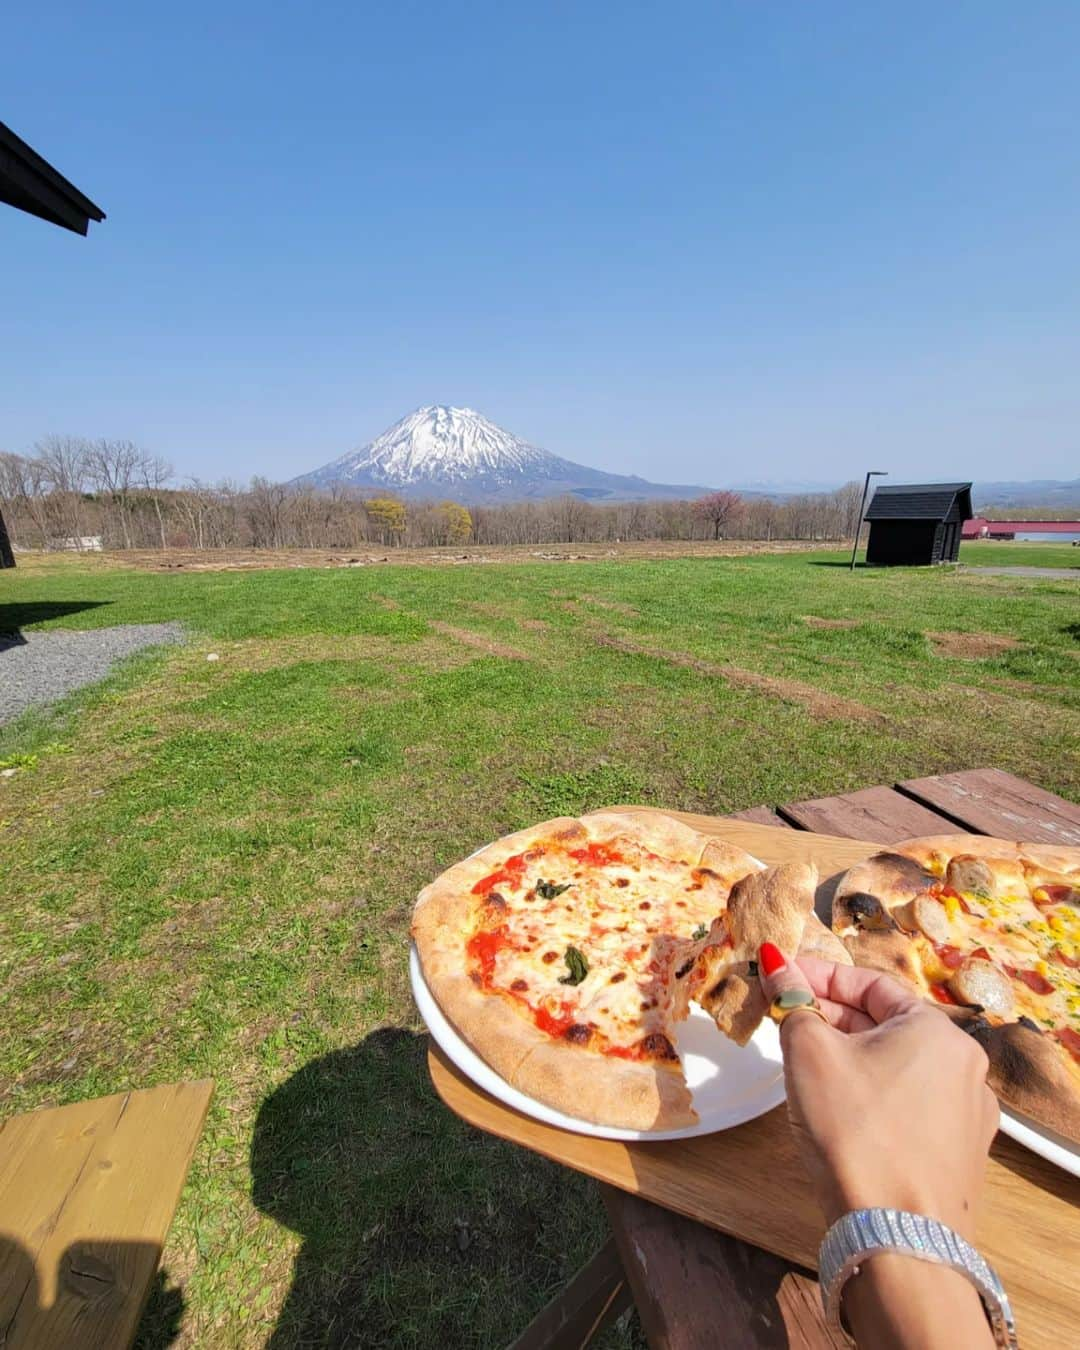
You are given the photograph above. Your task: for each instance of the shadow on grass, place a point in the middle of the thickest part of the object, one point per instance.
(162, 1316)
(416, 1228)
(17, 614)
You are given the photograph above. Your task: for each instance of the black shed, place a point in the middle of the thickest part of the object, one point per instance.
(914, 524)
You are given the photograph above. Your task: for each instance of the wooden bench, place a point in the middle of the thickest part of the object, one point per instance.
(699, 1289)
(87, 1193)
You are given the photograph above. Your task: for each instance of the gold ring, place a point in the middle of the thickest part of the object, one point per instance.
(792, 1001)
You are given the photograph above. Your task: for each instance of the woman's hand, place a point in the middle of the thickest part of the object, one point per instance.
(890, 1107)
(889, 1102)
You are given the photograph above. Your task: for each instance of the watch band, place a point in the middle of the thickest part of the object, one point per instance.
(864, 1233)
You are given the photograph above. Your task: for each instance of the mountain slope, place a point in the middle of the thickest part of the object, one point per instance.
(1052, 492)
(440, 451)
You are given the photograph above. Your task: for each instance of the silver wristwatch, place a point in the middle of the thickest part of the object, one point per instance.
(864, 1233)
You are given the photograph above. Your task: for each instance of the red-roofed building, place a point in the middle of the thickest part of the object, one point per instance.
(978, 527)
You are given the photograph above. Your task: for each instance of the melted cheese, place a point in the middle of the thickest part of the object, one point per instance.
(1027, 937)
(632, 919)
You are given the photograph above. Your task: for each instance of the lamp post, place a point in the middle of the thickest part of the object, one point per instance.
(874, 473)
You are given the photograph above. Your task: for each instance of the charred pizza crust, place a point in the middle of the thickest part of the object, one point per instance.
(886, 913)
(822, 942)
(771, 906)
(642, 1094)
(1027, 1070)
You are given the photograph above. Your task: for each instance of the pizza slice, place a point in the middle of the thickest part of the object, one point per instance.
(770, 906)
(990, 930)
(557, 952)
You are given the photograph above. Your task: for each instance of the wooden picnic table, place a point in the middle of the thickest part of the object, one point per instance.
(697, 1287)
(87, 1193)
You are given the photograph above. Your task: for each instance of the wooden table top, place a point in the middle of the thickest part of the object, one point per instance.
(748, 1181)
(87, 1193)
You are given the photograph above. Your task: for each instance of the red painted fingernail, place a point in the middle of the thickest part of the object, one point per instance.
(770, 958)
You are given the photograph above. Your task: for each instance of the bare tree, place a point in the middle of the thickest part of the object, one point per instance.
(23, 494)
(154, 473)
(62, 461)
(190, 506)
(265, 512)
(848, 499)
(717, 508)
(570, 516)
(112, 467)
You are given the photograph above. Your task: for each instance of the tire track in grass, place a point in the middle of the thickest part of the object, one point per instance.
(817, 702)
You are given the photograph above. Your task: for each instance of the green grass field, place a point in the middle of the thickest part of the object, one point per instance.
(209, 865)
(993, 553)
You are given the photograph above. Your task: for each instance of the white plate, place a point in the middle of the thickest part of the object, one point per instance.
(730, 1084)
(1053, 1147)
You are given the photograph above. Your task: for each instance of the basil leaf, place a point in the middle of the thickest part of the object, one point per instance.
(699, 932)
(547, 890)
(577, 966)
(751, 967)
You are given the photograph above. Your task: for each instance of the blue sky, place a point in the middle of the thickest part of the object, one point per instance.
(699, 242)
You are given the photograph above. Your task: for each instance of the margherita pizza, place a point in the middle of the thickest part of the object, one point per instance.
(991, 930)
(565, 955)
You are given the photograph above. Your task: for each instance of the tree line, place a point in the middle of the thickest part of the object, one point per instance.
(72, 493)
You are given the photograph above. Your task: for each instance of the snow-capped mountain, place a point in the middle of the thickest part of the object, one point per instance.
(448, 444)
(456, 452)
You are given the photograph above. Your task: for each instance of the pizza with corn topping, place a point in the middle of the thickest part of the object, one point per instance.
(990, 930)
(566, 954)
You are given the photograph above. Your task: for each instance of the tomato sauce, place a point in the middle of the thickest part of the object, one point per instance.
(483, 947)
(1038, 984)
(1057, 894)
(510, 874)
(949, 956)
(939, 891)
(623, 1051)
(597, 855)
(554, 1025)
(1070, 1040)
(942, 994)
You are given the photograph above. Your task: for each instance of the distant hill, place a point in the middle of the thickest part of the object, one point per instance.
(439, 451)
(1051, 492)
(1054, 493)
(781, 487)
(456, 452)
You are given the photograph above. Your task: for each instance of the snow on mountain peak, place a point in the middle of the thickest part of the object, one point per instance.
(441, 451)
(444, 443)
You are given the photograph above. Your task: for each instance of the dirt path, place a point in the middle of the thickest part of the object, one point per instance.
(247, 559)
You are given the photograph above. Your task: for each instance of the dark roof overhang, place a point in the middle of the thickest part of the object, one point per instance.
(31, 184)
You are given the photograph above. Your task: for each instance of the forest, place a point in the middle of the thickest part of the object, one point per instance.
(72, 493)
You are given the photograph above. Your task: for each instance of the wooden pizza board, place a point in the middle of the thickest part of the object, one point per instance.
(749, 1182)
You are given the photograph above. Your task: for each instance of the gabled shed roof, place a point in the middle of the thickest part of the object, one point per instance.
(30, 183)
(920, 501)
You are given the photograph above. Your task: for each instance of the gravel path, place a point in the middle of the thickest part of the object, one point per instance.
(38, 668)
